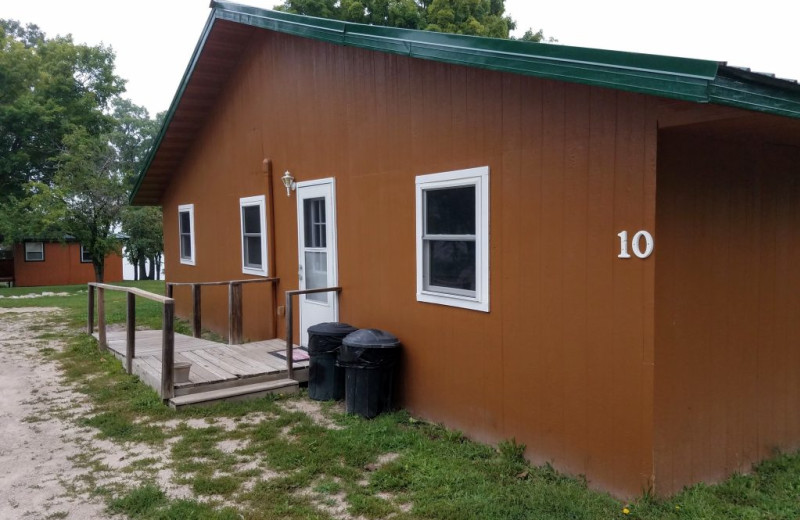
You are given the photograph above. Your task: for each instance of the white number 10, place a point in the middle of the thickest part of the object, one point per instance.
(636, 244)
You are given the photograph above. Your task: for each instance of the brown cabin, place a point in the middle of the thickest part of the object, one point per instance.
(42, 262)
(592, 252)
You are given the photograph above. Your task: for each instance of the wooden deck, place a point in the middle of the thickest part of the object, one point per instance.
(215, 366)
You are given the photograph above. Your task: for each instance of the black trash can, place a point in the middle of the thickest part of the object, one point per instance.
(325, 379)
(369, 357)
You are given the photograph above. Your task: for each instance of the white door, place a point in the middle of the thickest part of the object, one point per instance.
(316, 239)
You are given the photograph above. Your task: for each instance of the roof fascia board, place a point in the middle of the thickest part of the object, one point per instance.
(757, 92)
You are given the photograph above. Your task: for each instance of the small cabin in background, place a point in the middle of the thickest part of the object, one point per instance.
(593, 252)
(42, 262)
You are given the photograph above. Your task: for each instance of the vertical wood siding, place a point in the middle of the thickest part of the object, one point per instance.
(564, 360)
(727, 389)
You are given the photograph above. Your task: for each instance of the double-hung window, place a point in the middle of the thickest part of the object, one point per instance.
(34, 251)
(86, 256)
(254, 235)
(186, 233)
(453, 238)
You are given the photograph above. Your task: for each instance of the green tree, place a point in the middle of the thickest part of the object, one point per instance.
(48, 88)
(93, 193)
(144, 240)
(69, 145)
(475, 17)
(133, 135)
(142, 226)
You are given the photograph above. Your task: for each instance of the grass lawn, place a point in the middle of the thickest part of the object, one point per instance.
(272, 458)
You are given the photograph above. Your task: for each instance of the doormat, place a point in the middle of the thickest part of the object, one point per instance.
(298, 354)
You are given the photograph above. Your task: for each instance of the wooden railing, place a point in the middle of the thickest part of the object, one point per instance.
(290, 326)
(167, 337)
(234, 305)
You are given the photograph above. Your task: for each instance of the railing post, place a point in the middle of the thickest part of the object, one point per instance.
(130, 344)
(289, 336)
(274, 287)
(90, 311)
(101, 319)
(169, 290)
(168, 352)
(196, 310)
(234, 314)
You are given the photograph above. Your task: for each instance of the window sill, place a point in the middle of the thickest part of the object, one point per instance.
(451, 300)
(255, 272)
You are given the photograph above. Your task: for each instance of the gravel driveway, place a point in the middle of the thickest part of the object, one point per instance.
(37, 437)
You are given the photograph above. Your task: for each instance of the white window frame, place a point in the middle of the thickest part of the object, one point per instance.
(188, 260)
(479, 178)
(41, 246)
(84, 252)
(261, 202)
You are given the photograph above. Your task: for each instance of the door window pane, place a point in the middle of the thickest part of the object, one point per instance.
(315, 224)
(316, 274)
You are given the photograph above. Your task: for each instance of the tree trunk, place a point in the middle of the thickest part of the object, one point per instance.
(155, 266)
(99, 270)
(158, 266)
(135, 268)
(142, 268)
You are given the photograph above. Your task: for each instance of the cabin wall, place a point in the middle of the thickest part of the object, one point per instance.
(727, 388)
(563, 362)
(61, 266)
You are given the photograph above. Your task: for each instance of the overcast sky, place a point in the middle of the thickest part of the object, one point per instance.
(154, 39)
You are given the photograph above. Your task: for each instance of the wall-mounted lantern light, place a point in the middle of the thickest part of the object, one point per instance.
(288, 182)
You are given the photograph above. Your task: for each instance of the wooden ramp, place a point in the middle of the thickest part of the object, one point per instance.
(218, 372)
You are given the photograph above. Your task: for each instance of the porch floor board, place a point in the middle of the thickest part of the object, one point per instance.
(213, 364)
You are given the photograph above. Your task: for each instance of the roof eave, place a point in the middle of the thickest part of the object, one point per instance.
(756, 92)
(187, 74)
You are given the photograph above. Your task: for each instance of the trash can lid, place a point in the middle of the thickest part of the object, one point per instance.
(332, 328)
(371, 338)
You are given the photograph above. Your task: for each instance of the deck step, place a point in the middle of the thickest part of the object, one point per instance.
(237, 393)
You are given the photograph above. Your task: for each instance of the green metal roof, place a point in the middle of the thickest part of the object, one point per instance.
(699, 81)
(679, 78)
